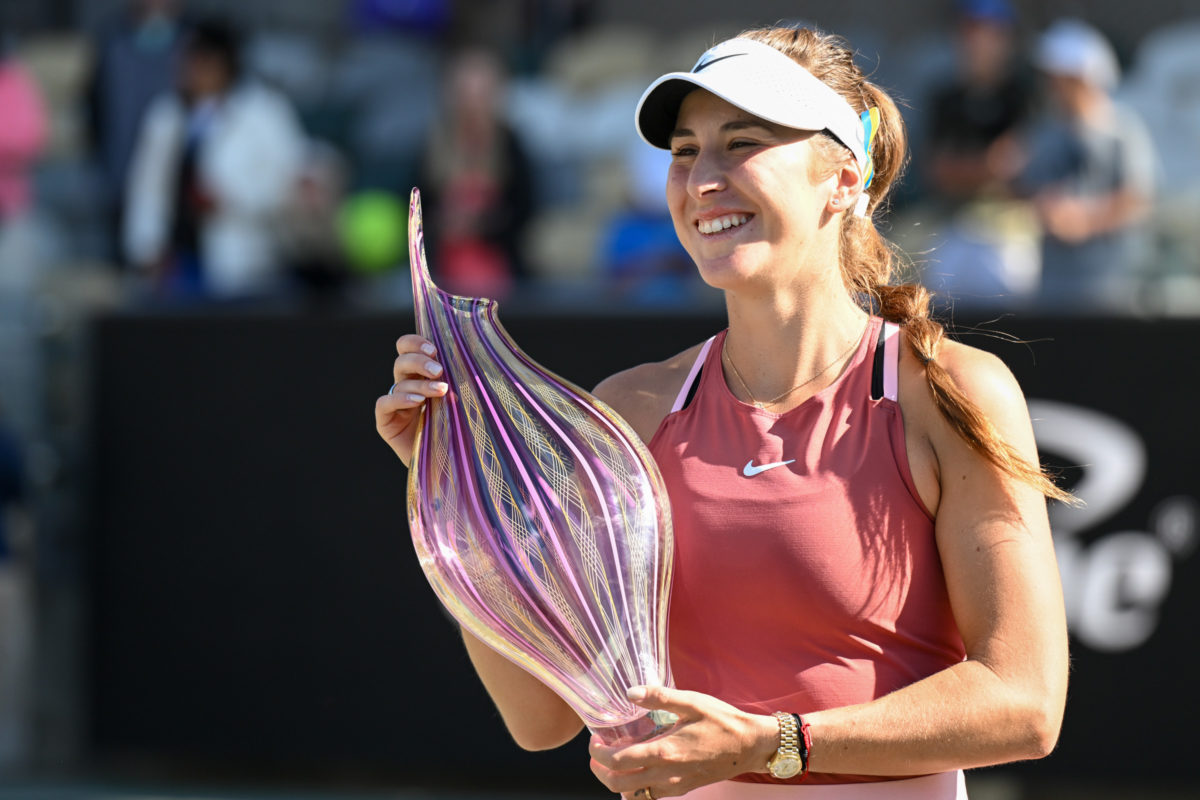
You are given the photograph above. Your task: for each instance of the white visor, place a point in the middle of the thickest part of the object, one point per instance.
(760, 80)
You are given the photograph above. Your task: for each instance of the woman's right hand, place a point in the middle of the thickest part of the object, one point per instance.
(416, 372)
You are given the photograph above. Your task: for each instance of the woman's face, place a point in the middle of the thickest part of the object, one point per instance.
(742, 192)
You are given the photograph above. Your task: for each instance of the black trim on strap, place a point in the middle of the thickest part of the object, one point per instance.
(692, 389)
(877, 367)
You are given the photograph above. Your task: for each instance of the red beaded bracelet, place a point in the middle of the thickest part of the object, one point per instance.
(805, 744)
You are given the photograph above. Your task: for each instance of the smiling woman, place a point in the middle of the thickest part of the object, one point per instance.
(866, 600)
(727, 167)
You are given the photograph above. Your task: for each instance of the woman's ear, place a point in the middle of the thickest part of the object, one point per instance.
(847, 188)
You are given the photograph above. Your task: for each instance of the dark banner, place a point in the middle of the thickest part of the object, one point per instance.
(255, 597)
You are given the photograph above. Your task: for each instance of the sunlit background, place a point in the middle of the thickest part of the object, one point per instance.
(206, 588)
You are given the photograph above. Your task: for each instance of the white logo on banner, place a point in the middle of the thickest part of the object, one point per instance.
(1115, 583)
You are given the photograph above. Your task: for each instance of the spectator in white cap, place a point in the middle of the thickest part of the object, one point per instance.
(1071, 48)
(1091, 171)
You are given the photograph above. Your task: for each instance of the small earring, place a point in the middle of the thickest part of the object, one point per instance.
(834, 201)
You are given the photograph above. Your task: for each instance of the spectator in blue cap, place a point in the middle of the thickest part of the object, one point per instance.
(975, 118)
(978, 111)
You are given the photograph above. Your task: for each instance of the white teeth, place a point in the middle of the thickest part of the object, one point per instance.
(721, 223)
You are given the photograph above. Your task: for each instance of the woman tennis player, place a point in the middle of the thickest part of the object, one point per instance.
(866, 600)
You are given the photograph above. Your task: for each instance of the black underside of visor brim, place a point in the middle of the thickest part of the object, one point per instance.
(661, 110)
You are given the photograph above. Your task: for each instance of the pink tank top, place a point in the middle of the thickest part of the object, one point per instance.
(806, 572)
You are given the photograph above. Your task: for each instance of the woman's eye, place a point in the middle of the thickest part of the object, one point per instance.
(683, 151)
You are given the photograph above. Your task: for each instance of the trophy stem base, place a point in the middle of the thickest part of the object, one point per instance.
(639, 730)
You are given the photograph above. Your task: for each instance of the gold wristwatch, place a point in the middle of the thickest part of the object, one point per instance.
(787, 761)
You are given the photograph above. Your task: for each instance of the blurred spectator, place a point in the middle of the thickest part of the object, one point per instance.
(1091, 171)
(135, 60)
(642, 256)
(988, 252)
(22, 137)
(476, 183)
(976, 116)
(215, 163)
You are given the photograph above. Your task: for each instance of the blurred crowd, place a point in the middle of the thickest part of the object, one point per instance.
(177, 158)
(1039, 181)
(157, 157)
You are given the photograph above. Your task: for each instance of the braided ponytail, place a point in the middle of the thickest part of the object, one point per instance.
(908, 305)
(869, 262)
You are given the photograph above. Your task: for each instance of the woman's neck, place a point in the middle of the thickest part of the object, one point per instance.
(780, 340)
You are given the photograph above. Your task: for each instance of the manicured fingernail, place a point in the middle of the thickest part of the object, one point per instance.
(439, 386)
(636, 694)
(428, 349)
(415, 398)
(433, 368)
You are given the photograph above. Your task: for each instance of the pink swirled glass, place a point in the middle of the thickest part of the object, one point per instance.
(538, 515)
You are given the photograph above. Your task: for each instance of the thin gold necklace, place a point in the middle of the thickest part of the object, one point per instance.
(764, 403)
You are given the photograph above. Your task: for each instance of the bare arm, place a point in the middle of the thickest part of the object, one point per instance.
(1004, 703)
(537, 718)
(1078, 219)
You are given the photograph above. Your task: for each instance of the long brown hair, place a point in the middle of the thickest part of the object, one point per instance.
(869, 262)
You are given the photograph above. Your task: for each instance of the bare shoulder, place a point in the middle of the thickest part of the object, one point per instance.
(982, 378)
(643, 395)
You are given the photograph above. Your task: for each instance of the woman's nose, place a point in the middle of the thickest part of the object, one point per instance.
(707, 176)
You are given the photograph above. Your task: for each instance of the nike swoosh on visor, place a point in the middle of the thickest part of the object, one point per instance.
(712, 61)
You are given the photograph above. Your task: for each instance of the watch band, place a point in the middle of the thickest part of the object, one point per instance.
(787, 761)
(789, 732)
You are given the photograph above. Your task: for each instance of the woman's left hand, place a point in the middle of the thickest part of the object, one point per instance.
(712, 741)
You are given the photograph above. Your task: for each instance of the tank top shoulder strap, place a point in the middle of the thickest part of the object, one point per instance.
(885, 372)
(688, 390)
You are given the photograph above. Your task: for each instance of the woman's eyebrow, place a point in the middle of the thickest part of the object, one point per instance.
(732, 125)
(743, 124)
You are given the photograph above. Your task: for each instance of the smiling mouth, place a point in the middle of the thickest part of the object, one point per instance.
(709, 227)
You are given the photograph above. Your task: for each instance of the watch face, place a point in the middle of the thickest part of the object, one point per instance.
(785, 766)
